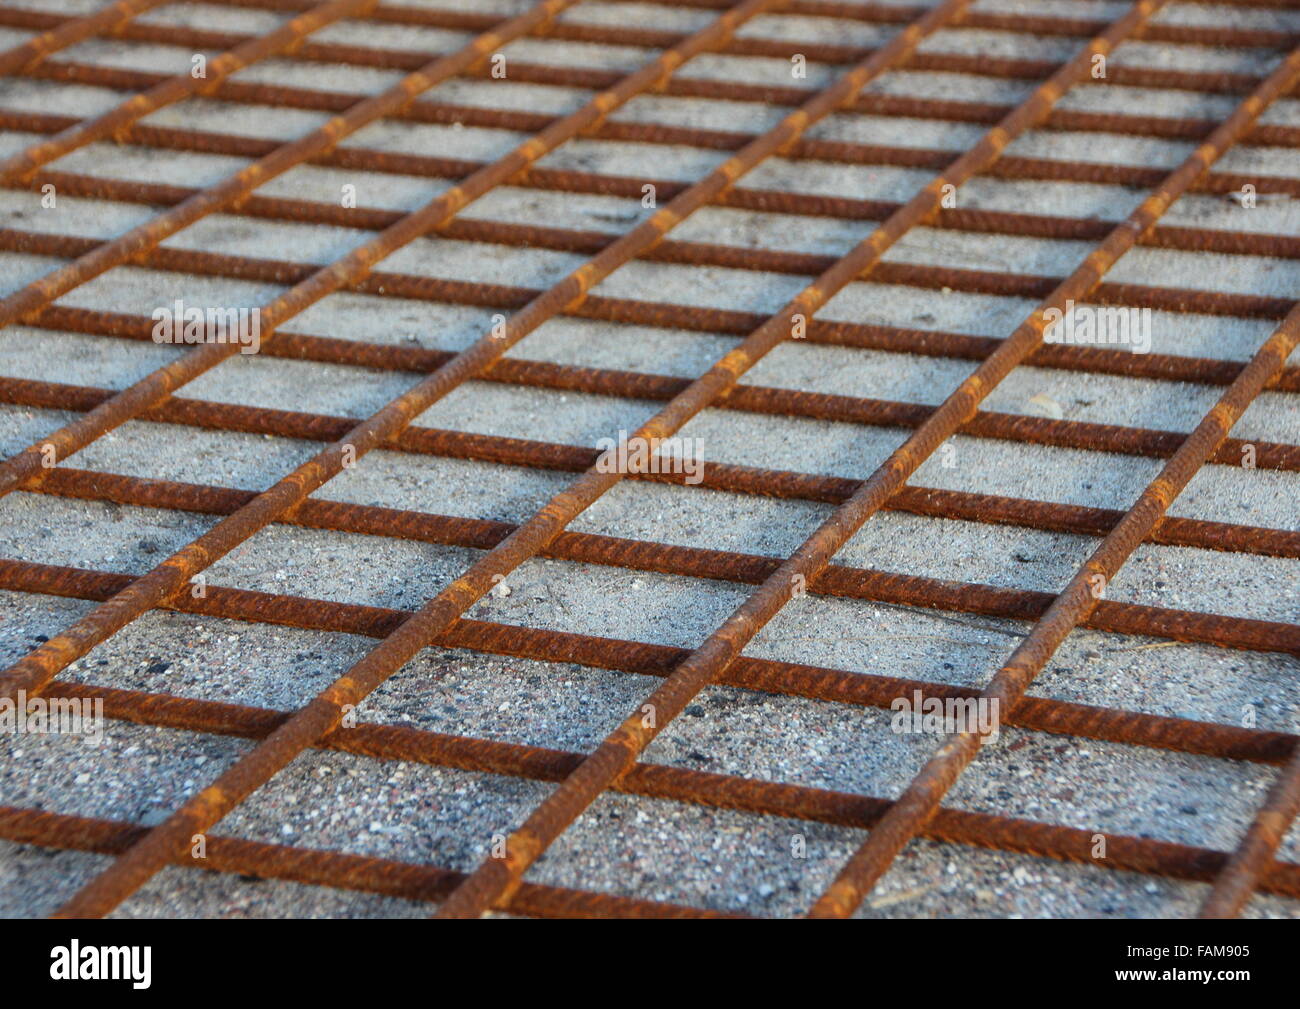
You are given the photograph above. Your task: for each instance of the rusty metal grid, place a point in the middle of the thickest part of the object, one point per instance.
(47, 468)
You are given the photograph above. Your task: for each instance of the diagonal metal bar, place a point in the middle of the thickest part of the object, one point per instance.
(21, 166)
(325, 712)
(495, 878)
(36, 669)
(1251, 860)
(1080, 596)
(141, 239)
(69, 31)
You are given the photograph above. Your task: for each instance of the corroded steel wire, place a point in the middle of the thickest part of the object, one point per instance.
(1238, 879)
(1037, 24)
(1104, 360)
(1001, 222)
(923, 794)
(998, 284)
(1250, 860)
(1088, 436)
(1241, 243)
(1201, 239)
(930, 343)
(1198, 239)
(325, 712)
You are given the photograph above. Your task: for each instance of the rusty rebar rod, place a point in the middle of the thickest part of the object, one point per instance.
(139, 240)
(21, 166)
(1250, 861)
(870, 13)
(326, 710)
(846, 152)
(715, 475)
(704, 319)
(302, 346)
(1229, 242)
(996, 284)
(996, 425)
(1081, 594)
(68, 31)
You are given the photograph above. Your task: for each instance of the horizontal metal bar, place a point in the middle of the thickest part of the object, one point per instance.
(1083, 435)
(834, 686)
(968, 506)
(314, 867)
(870, 13)
(776, 201)
(839, 580)
(980, 65)
(732, 478)
(873, 104)
(925, 342)
(658, 781)
(1246, 243)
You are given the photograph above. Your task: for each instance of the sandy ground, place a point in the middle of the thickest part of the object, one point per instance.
(711, 858)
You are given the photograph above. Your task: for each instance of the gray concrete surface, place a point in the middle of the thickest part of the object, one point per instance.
(669, 851)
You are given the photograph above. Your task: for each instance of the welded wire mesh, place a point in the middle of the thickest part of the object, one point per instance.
(651, 459)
